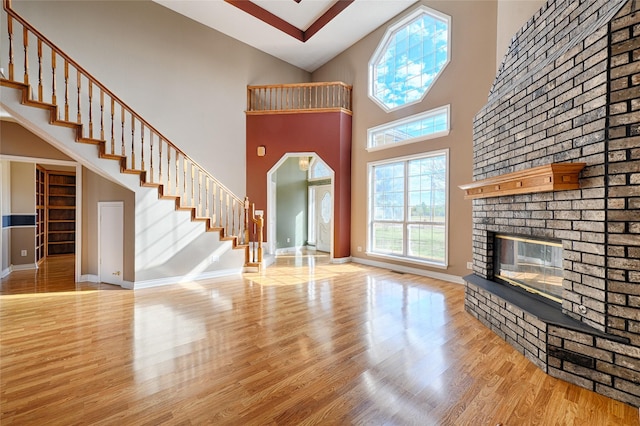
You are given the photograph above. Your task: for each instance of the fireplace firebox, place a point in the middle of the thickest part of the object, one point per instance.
(529, 263)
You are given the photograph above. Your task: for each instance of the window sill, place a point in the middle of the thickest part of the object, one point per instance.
(409, 260)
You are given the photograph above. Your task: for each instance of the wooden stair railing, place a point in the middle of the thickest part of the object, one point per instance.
(77, 100)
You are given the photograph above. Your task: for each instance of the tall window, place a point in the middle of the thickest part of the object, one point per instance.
(408, 208)
(409, 59)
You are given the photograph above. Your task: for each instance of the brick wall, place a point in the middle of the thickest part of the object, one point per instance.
(568, 90)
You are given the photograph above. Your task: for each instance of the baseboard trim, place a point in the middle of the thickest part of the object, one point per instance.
(89, 278)
(181, 279)
(341, 260)
(5, 272)
(25, 267)
(422, 272)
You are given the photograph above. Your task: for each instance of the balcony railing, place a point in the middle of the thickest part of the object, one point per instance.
(302, 97)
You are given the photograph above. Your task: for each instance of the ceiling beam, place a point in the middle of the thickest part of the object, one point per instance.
(284, 26)
(268, 17)
(333, 11)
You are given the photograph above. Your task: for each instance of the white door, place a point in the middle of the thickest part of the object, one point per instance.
(324, 215)
(111, 242)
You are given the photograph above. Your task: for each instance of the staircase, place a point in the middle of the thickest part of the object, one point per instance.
(63, 103)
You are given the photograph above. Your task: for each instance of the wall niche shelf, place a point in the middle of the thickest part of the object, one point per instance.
(551, 177)
(41, 229)
(61, 213)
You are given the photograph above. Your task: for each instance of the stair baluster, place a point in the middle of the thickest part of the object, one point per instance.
(214, 201)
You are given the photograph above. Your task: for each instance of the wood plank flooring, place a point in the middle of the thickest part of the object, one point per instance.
(303, 343)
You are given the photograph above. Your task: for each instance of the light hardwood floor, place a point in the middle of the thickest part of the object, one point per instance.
(305, 342)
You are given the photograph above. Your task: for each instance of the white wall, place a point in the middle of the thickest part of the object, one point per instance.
(512, 15)
(186, 79)
(463, 84)
(5, 209)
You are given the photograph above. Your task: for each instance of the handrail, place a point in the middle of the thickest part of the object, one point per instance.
(183, 179)
(96, 82)
(299, 97)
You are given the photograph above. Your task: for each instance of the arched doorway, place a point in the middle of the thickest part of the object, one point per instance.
(300, 204)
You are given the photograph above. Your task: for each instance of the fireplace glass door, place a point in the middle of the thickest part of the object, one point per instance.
(535, 265)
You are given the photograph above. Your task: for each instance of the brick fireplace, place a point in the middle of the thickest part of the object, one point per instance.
(568, 91)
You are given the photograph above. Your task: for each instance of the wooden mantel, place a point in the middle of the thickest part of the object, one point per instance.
(551, 177)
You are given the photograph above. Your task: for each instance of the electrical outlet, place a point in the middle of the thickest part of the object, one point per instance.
(23, 253)
(469, 265)
(359, 248)
(288, 240)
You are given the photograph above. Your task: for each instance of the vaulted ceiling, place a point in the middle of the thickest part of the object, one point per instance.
(304, 33)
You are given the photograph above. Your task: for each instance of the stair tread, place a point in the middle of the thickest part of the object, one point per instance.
(39, 104)
(90, 141)
(65, 123)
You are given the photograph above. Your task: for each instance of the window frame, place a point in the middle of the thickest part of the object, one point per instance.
(384, 42)
(416, 117)
(405, 222)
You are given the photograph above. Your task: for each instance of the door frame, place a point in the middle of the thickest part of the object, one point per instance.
(102, 204)
(271, 199)
(78, 167)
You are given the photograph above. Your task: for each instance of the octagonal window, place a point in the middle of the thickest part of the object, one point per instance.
(409, 59)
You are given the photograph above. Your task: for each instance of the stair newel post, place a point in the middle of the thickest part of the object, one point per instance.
(260, 236)
(246, 220)
(79, 89)
(39, 70)
(227, 216)
(25, 42)
(254, 240)
(66, 90)
(54, 98)
(10, 31)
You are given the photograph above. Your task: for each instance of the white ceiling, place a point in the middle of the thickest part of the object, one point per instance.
(356, 21)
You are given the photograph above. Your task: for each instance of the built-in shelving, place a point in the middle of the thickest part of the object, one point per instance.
(551, 177)
(61, 213)
(41, 229)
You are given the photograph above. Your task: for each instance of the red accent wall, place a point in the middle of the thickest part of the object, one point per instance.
(328, 134)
